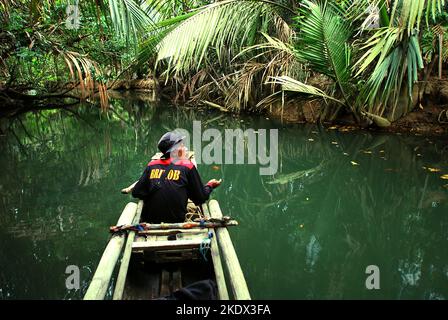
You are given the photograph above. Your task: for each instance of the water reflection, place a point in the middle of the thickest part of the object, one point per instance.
(341, 201)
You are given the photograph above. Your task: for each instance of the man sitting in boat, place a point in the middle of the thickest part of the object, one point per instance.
(167, 183)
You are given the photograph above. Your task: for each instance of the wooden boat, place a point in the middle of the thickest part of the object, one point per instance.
(156, 263)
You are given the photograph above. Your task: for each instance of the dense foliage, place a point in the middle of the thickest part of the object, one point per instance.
(362, 57)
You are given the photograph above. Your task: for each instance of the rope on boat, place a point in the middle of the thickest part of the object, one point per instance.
(205, 245)
(194, 212)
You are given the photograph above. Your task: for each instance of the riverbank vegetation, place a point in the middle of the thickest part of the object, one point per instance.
(368, 61)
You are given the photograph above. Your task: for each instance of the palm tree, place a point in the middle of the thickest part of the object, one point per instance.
(184, 41)
(372, 86)
(395, 55)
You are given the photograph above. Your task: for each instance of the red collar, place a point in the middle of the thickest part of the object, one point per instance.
(160, 161)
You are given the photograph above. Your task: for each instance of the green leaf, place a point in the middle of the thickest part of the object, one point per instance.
(217, 25)
(289, 84)
(324, 36)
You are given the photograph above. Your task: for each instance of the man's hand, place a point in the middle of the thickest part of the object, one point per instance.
(129, 189)
(214, 183)
(126, 190)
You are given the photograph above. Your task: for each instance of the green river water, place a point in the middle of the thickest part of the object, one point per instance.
(368, 200)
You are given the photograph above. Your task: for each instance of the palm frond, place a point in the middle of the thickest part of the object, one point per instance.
(289, 84)
(148, 47)
(5, 7)
(217, 25)
(272, 43)
(280, 59)
(325, 35)
(432, 8)
(243, 88)
(396, 53)
(379, 46)
(85, 71)
(405, 20)
(408, 14)
(357, 10)
(128, 18)
(160, 10)
(383, 87)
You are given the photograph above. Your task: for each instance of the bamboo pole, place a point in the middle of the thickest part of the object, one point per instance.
(100, 282)
(124, 265)
(174, 225)
(237, 281)
(217, 264)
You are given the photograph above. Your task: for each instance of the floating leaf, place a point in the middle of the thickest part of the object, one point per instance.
(345, 153)
(311, 139)
(333, 127)
(354, 163)
(334, 142)
(367, 151)
(215, 167)
(434, 170)
(444, 177)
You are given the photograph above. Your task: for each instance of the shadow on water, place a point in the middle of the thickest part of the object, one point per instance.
(339, 202)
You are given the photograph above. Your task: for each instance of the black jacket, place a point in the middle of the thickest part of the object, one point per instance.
(166, 186)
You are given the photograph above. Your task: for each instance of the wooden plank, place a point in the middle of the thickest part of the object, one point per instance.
(100, 282)
(162, 256)
(177, 280)
(237, 280)
(122, 273)
(217, 264)
(166, 244)
(165, 284)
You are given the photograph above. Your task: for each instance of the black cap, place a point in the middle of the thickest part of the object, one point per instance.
(168, 141)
